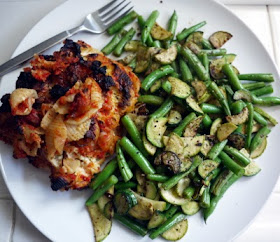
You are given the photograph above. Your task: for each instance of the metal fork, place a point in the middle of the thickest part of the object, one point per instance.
(96, 23)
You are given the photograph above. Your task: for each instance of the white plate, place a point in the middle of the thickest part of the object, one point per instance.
(62, 216)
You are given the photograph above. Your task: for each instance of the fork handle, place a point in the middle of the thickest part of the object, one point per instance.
(14, 62)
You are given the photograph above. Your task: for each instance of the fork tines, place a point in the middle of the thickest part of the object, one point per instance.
(114, 10)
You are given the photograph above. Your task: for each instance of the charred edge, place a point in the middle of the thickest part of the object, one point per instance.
(125, 85)
(58, 91)
(58, 183)
(5, 107)
(91, 132)
(25, 80)
(71, 46)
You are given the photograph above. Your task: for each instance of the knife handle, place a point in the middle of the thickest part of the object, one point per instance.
(14, 62)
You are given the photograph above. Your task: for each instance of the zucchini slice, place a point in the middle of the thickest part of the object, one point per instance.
(215, 125)
(193, 104)
(216, 65)
(140, 177)
(143, 59)
(132, 45)
(243, 94)
(156, 86)
(207, 144)
(156, 220)
(193, 145)
(251, 169)
(151, 149)
(179, 88)
(196, 37)
(145, 207)
(225, 130)
(240, 118)
(107, 197)
(151, 190)
(101, 225)
(124, 200)
(182, 185)
(185, 163)
(155, 130)
(174, 117)
(172, 197)
(219, 38)
(175, 144)
(237, 140)
(109, 210)
(192, 127)
(165, 140)
(176, 232)
(152, 67)
(190, 208)
(259, 150)
(200, 88)
(206, 167)
(167, 56)
(160, 33)
(193, 47)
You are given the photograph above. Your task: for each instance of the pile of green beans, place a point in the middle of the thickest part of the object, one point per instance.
(221, 95)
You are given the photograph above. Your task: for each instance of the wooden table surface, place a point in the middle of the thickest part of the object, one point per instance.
(18, 16)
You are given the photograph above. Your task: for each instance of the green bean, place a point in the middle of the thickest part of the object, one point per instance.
(181, 127)
(171, 211)
(134, 134)
(266, 101)
(113, 43)
(118, 25)
(207, 121)
(259, 137)
(211, 109)
(206, 44)
(215, 52)
(272, 120)
(151, 99)
(250, 124)
(131, 224)
(163, 109)
(111, 181)
(157, 177)
(231, 164)
(205, 198)
(166, 86)
(214, 201)
(171, 182)
(155, 75)
(220, 97)
(240, 158)
(221, 180)
(175, 74)
(260, 119)
(141, 23)
(237, 107)
(108, 170)
(137, 156)
(205, 62)
(169, 223)
(127, 37)
(157, 44)
(123, 166)
(148, 25)
(186, 32)
(216, 150)
(125, 185)
(195, 63)
(263, 91)
(175, 66)
(232, 77)
(252, 86)
(213, 174)
(172, 23)
(189, 192)
(262, 77)
(185, 71)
